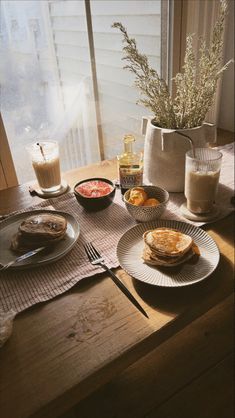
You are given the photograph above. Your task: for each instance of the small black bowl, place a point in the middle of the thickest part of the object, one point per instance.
(94, 204)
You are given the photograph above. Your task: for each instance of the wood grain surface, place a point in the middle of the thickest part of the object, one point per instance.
(64, 350)
(152, 384)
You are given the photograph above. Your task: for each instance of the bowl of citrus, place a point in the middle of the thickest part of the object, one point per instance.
(146, 203)
(94, 194)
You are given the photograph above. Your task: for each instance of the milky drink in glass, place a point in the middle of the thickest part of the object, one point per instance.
(202, 173)
(46, 164)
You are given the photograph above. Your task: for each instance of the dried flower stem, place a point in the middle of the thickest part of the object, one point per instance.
(195, 85)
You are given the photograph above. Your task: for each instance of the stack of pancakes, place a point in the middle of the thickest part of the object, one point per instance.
(39, 230)
(167, 247)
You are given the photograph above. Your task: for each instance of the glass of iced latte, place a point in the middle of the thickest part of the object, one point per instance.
(202, 173)
(46, 164)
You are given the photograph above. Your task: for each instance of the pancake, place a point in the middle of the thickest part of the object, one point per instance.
(155, 260)
(15, 243)
(43, 226)
(167, 242)
(40, 230)
(22, 244)
(167, 247)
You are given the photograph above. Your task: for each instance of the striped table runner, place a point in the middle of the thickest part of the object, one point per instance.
(21, 289)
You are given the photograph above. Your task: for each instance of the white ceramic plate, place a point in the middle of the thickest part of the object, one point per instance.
(131, 244)
(10, 226)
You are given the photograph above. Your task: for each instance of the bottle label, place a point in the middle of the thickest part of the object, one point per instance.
(129, 180)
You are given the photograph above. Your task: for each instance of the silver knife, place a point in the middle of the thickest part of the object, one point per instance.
(22, 257)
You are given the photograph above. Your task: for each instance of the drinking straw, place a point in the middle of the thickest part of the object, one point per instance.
(41, 149)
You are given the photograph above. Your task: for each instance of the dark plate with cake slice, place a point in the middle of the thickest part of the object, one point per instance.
(20, 233)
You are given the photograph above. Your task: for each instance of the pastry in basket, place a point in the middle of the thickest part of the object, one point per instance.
(167, 247)
(39, 230)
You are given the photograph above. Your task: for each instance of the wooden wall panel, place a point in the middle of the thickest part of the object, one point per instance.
(3, 183)
(8, 176)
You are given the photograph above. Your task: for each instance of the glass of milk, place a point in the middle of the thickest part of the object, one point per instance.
(46, 164)
(202, 171)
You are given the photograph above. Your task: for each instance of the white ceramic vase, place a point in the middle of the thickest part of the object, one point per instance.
(164, 152)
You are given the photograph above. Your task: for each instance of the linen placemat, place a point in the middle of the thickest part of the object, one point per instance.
(21, 289)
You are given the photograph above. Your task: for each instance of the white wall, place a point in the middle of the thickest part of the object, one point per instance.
(226, 115)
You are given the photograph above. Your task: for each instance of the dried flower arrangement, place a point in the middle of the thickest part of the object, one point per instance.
(195, 85)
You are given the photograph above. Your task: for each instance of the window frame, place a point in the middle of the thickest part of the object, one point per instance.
(8, 177)
(172, 10)
(178, 13)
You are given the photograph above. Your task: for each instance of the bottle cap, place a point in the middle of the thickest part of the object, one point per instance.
(128, 138)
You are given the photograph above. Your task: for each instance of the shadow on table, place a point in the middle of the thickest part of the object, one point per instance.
(222, 229)
(175, 300)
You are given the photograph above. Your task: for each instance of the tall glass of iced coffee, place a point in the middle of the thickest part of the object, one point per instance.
(202, 171)
(46, 164)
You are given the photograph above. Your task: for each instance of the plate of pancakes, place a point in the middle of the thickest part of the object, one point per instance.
(56, 231)
(167, 253)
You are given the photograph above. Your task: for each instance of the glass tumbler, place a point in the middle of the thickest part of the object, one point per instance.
(46, 163)
(202, 171)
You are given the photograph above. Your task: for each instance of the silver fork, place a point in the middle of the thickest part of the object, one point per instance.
(96, 258)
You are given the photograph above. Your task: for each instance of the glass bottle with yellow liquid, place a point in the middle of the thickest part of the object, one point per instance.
(130, 165)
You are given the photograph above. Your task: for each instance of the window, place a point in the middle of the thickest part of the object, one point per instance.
(62, 77)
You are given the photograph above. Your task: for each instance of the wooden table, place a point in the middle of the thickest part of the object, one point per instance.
(92, 351)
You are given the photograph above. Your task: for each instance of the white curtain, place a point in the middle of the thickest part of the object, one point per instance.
(201, 18)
